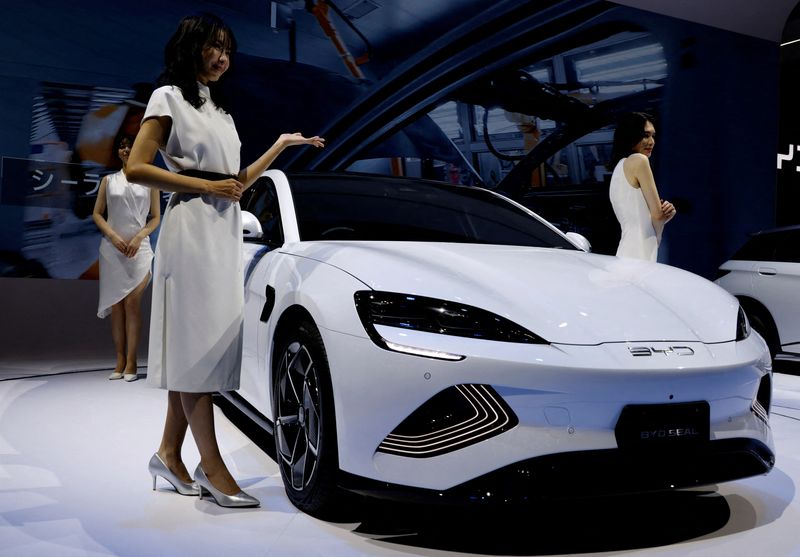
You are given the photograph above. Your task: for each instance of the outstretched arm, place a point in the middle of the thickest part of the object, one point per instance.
(250, 174)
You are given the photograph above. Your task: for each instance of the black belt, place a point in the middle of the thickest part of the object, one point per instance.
(205, 175)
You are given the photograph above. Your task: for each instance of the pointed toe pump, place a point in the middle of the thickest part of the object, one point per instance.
(241, 499)
(157, 467)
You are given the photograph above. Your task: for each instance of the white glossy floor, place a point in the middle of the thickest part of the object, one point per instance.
(73, 482)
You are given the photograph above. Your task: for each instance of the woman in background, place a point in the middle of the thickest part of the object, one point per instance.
(198, 286)
(640, 211)
(125, 257)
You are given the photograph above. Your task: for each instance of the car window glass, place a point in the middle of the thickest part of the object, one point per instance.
(409, 210)
(787, 246)
(760, 247)
(262, 201)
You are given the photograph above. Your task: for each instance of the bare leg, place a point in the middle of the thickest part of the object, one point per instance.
(174, 433)
(118, 333)
(133, 324)
(199, 411)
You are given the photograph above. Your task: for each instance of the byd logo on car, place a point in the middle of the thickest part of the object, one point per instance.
(668, 351)
(674, 432)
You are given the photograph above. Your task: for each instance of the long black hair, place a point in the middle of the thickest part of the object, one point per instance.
(629, 132)
(183, 56)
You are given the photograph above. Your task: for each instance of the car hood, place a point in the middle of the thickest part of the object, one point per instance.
(564, 296)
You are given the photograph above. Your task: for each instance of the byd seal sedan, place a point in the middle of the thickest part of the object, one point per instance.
(405, 338)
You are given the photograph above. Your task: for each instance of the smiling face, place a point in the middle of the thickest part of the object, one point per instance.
(215, 58)
(646, 144)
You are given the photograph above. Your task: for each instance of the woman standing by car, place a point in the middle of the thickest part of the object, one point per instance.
(125, 257)
(198, 291)
(640, 211)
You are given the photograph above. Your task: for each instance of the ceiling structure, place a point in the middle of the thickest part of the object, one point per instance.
(384, 20)
(764, 19)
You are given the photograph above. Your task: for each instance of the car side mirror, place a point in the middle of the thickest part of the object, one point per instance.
(580, 241)
(251, 228)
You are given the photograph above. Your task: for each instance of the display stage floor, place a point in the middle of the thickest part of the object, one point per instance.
(73, 482)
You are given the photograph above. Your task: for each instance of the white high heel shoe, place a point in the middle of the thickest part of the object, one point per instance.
(240, 499)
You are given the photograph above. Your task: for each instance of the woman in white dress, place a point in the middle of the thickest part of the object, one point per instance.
(640, 211)
(125, 257)
(198, 289)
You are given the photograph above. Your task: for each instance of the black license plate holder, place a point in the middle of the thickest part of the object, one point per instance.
(663, 426)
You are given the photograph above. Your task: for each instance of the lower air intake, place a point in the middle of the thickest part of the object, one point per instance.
(455, 418)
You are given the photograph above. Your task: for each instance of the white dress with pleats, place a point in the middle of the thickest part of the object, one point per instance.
(127, 206)
(639, 239)
(198, 288)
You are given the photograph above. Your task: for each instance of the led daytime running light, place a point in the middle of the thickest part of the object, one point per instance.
(422, 351)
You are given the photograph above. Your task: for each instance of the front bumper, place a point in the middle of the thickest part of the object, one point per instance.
(589, 473)
(567, 400)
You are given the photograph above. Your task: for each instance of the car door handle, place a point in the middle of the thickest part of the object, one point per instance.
(767, 271)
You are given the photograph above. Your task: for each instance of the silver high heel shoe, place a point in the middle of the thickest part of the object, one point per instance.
(241, 499)
(157, 468)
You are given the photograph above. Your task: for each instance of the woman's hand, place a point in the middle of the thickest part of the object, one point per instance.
(668, 210)
(289, 139)
(227, 189)
(119, 243)
(133, 246)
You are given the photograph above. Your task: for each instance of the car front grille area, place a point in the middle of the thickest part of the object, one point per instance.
(761, 405)
(455, 418)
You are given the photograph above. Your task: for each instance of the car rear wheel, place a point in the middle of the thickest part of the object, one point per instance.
(305, 427)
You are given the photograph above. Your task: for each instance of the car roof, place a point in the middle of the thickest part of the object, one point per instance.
(777, 230)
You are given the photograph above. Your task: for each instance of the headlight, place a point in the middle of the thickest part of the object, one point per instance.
(419, 313)
(742, 325)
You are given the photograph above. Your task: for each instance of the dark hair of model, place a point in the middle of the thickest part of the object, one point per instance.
(183, 56)
(124, 140)
(629, 132)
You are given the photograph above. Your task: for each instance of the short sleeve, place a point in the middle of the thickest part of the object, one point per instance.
(161, 103)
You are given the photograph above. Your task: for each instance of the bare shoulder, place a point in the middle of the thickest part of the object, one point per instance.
(637, 160)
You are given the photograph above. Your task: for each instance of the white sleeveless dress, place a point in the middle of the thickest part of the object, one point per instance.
(198, 287)
(639, 239)
(127, 206)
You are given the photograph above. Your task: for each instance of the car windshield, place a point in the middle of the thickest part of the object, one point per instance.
(401, 209)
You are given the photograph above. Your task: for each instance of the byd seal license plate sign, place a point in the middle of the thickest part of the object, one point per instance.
(663, 426)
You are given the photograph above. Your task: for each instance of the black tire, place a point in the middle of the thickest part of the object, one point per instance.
(305, 423)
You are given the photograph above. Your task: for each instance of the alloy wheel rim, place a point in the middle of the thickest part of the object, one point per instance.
(298, 416)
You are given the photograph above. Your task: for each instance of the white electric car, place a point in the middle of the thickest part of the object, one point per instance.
(765, 276)
(406, 338)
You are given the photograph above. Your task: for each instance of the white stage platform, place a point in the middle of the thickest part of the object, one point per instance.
(73, 482)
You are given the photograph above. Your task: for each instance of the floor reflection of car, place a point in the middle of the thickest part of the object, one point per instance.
(765, 276)
(407, 338)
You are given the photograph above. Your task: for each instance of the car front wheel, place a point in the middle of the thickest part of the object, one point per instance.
(305, 428)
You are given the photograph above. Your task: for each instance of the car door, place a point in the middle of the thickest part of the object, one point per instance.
(260, 257)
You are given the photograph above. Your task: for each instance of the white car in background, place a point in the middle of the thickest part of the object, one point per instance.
(407, 338)
(765, 276)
